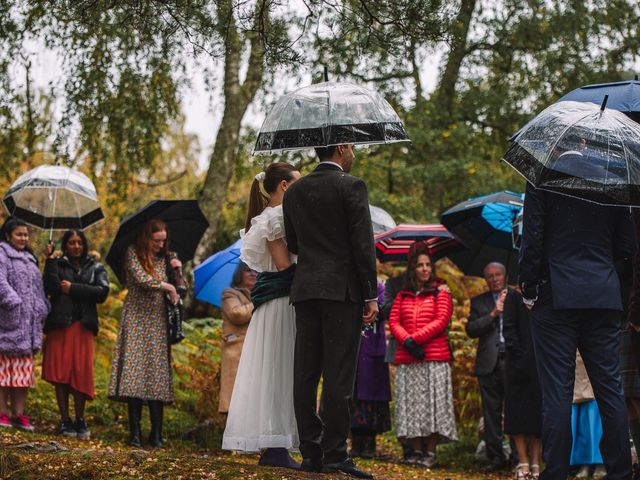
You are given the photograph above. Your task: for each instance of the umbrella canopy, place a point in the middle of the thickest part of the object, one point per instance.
(581, 150)
(185, 222)
(381, 220)
(329, 113)
(214, 274)
(623, 96)
(485, 225)
(54, 197)
(394, 245)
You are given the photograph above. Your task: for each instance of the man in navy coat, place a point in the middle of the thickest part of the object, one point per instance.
(569, 282)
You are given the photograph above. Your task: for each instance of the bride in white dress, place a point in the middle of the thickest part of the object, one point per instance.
(261, 415)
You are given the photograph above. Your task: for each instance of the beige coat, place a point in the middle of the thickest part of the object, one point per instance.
(582, 391)
(236, 315)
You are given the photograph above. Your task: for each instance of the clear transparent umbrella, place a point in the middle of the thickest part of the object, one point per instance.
(582, 150)
(329, 113)
(54, 197)
(381, 220)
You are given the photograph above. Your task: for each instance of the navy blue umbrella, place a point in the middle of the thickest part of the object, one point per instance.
(623, 96)
(485, 225)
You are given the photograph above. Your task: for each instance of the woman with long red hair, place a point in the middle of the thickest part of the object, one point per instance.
(141, 367)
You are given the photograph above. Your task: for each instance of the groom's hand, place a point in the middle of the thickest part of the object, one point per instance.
(370, 312)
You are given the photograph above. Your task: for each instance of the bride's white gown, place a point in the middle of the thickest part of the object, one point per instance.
(261, 412)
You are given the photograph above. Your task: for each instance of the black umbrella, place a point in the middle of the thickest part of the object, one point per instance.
(485, 225)
(185, 222)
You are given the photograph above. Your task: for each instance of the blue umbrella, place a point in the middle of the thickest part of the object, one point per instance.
(485, 225)
(214, 274)
(623, 96)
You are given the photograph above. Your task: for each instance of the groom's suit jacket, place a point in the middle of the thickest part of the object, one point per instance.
(328, 225)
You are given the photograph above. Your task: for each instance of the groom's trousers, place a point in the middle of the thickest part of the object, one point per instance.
(327, 341)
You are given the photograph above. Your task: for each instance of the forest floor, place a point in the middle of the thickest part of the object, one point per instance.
(45, 455)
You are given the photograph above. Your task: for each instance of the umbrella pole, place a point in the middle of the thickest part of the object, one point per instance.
(53, 210)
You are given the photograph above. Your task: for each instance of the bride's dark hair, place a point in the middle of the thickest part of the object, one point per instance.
(273, 175)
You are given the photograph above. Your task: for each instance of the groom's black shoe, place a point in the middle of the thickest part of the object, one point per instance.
(311, 465)
(346, 466)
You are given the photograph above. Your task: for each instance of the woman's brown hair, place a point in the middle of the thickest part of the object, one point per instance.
(143, 243)
(273, 175)
(412, 284)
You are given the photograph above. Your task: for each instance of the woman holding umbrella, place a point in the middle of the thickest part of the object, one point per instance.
(75, 283)
(23, 308)
(141, 367)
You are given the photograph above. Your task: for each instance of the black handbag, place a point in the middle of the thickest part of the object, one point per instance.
(175, 312)
(174, 319)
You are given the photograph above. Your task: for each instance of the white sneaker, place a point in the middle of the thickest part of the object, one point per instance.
(583, 472)
(599, 472)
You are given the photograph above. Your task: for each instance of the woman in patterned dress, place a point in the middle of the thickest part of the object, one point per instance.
(419, 321)
(23, 308)
(141, 366)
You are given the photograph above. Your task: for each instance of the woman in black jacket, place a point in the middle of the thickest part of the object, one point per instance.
(75, 283)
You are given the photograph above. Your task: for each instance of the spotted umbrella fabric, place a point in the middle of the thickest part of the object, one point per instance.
(54, 197)
(394, 245)
(329, 113)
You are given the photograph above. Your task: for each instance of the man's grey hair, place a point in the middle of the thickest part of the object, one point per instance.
(494, 264)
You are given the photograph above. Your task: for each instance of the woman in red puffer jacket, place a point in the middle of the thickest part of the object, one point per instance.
(419, 321)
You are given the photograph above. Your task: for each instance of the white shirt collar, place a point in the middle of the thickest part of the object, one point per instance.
(336, 164)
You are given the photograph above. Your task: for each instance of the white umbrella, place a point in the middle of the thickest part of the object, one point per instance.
(54, 198)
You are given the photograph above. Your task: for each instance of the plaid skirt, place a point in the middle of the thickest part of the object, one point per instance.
(424, 401)
(629, 364)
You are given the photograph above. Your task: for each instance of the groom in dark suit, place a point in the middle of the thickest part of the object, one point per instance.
(569, 282)
(328, 225)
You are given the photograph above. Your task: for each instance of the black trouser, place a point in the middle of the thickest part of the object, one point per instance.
(327, 342)
(492, 393)
(556, 336)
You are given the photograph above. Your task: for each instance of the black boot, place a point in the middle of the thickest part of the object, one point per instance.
(135, 412)
(278, 457)
(155, 412)
(369, 446)
(357, 443)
